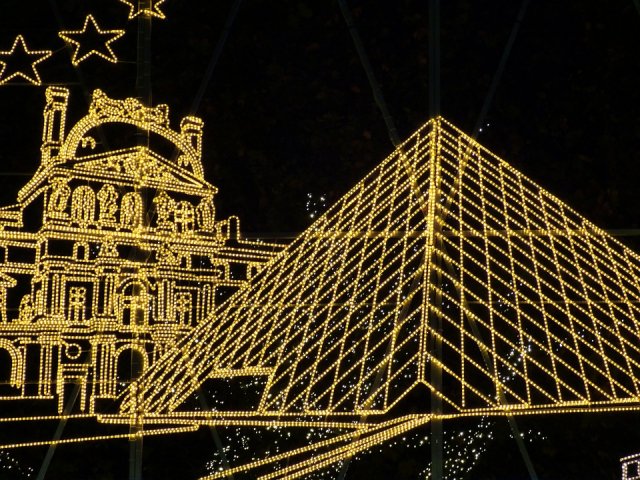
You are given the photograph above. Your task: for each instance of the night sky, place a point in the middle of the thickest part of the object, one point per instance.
(291, 124)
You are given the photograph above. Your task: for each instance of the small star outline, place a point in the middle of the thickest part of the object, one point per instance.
(94, 30)
(34, 76)
(151, 8)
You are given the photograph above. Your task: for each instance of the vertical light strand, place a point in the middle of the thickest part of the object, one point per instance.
(386, 365)
(629, 306)
(492, 328)
(565, 299)
(514, 286)
(434, 59)
(462, 288)
(541, 296)
(143, 89)
(612, 315)
(435, 322)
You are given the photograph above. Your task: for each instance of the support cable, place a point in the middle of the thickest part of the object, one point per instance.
(81, 80)
(434, 58)
(144, 94)
(215, 57)
(42, 473)
(436, 441)
(375, 86)
(224, 35)
(476, 131)
(388, 120)
(500, 70)
(434, 104)
(393, 136)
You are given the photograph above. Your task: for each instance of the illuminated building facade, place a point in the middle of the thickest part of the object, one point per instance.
(444, 285)
(112, 253)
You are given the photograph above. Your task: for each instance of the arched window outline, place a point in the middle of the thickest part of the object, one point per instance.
(128, 349)
(107, 204)
(59, 197)
(131, 210)
(17, 366)
(83, 205)
(205, 214)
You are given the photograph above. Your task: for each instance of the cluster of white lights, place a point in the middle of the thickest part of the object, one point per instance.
(13, 468)
(314, 206)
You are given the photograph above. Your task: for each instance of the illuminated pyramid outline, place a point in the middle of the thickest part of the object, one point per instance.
(538, 306)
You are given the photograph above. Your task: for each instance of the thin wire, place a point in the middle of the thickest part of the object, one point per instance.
(476, 131)
(58, 434)
(145, 95)
(375, 86)
(63, 421)
(500, 70)
(434, 58)
(436, 440)
(81, 80)
(434, 101)
(386, 115)
(393, 135)
(216, 55)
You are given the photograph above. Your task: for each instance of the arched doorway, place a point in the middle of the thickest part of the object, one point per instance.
(6, 364)
(131, 361)
(10, 368)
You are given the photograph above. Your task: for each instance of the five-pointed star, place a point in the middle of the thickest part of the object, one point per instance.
(146, 7)
(96, 42)
(20, 57)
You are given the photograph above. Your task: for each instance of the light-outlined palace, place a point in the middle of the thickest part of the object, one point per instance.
(112, 252)
(445, 284)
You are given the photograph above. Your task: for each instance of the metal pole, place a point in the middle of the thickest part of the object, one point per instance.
(434, 58)
(435, 317)
(143, 92)
(437, 433)
(42, 473)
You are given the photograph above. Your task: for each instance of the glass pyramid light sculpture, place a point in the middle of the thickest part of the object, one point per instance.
(444, 278)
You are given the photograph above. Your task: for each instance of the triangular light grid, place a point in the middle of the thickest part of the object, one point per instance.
(444, 267)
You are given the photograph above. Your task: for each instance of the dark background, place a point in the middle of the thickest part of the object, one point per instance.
(290, 119)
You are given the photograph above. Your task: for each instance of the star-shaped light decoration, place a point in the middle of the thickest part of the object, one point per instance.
(145, 7)
(21, 62)
(91, 41)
